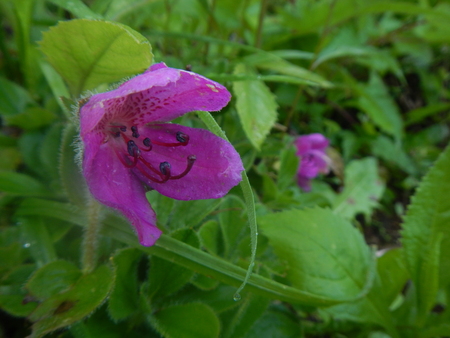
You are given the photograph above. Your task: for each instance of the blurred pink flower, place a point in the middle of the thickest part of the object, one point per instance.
(313, 158)
(128, 145)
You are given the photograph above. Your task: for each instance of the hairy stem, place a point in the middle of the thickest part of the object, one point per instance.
(90, 240)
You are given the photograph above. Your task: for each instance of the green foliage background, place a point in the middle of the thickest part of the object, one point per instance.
(364, 254)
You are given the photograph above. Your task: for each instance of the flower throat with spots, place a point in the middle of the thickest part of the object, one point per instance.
(134, 150)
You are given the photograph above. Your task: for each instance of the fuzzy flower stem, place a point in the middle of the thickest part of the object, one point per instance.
(90, 241)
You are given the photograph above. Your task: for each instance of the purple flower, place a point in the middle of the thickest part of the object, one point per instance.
(313, 158)
(129, 146)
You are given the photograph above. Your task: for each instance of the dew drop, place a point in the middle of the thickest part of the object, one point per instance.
(26, 245)
(237, 297)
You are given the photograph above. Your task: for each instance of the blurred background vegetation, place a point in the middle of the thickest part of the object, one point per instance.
(372, 76)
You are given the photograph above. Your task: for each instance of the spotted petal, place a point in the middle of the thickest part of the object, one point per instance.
(216, 170)
(160, 94)
(114, 185)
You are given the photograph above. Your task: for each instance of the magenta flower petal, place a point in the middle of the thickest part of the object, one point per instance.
(159, 95)
(127, 147)
(216, 170)
(313, 158)
(115, 186)
(306, 143)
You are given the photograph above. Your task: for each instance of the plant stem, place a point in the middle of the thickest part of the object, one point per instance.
(262, 13)
(89, 254)
(248, 198)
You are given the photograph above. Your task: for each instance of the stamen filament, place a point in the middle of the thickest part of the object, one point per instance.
(168, 144)
(151, 167)
(151, 178)
(132, 165)
(190, 162)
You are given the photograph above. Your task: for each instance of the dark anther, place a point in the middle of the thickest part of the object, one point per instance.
(135, 131)
(133, 149)
(182, 137)
(117, 134)
(123, 129)
(147, 142)
(164, 167)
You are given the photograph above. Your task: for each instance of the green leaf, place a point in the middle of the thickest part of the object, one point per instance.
(53, 278)
(275, 63)
(179, 214)
(99, 325)
(232, 223)
(124, 299)
(29, 146)
(191, 213)
(325, 253)
(375, 100)
(345, 43)
(40, 207)
(68, 307)
(209, 234)
(13, 98)
(265, 78)
(362, 190)
(393, 273)
(49, 151)
(56, 84)
(177, 252)
(88, 53)
(182, 321)
(12, 295)
(250, 310)
(288, 168)
(11, 158)
(220, 299)
(426, 235)
(11, 255)
(387, 150)
(31, 118)
(37, 239)
(21, 184)
(77, 8)
(270, 190)
(441, 330)
(275, 323)
(248, 198)
(255, 105)
(204, 282)
(166, 277)
(321, 14)
(417, 115)
(373, 308)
